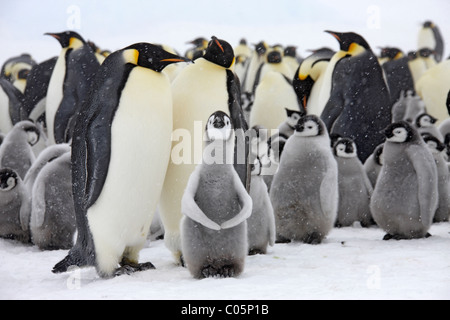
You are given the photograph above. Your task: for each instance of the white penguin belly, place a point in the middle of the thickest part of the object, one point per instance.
(55, 94)
(5, 118)
(140, 149)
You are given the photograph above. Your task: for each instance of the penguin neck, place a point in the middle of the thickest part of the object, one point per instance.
(219, 151)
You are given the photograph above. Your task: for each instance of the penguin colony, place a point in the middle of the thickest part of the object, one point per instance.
(281, 148)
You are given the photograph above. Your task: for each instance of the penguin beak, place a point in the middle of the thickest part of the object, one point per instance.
(54, 35)
(218, 43)
(334, 34)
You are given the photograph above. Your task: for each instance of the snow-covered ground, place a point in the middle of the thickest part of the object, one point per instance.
(352, 263)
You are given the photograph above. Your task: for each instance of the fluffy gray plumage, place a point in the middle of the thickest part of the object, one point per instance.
(406, 193)
(52, 222)
(373, 164)
(304, 191)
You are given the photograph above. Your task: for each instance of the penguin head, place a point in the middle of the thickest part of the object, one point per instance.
(274, 57)
(219, 52)
(8, 179)
(390, 53)
(350, 43)
(345, 148)
(261, 48)
(334, 138)
(293, 116)
(426, 52)
(150, 56)
(29, 128)
(425, 120)
(309, 71)
(290, 51)
(309, 126)
(68, 39)
(256, 167)
(433, 143)
(200, 43)
(400, 132)
(428, 24)
(219, 126)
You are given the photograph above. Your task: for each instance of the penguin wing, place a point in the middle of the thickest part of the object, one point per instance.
(38, 201)
(329, 192)
(246, 204)
(272, 226)
(426, 171)
(188, 205)
(25, 210)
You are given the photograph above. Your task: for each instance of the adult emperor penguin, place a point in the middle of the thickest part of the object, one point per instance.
(405, 196)
(261, 223)
(11, 106)
(359, 105)
(430, 37)
(200, 89)
(433, 87)
(117, 172)
(273, 94)
(305, 203)
(69, 84)
(355, 188)
(216, 206)
(52, 223)
(309, 80)
(243, 54)
(16, 150)
(258, 57)
(12, 196)
(437, 148)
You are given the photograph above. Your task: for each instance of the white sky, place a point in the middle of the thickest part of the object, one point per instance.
(113, 24)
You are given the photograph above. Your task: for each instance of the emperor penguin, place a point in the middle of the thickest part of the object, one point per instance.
(291, 59)
(200, 44)
(12, 196)
(258, 57)
(200, 89)
(273, 94)
(433, 87)
(261, 223)
(117, 171)
(359, 105)
(430, 37)
(16, 150)
(416, 65)
(17, 67)
(355, 188)
(49, 154)
(426, 123)
(69, 84)
(310, 79)
(398, 75)
(243, 54)
(36, 90)
(52, 222)
(437, 148)
(414, 107)
(305, 203)
(373, 164)
(216, 207)
(405, 196)
(11, 106)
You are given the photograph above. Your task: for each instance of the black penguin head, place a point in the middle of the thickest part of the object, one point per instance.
(290, 51)
(334, 138)
(274, 57)
(219, 126)
(400, 132)
(150, 56)
(219, 52)
(350, 42)
(68, 39)
(8, 179)
(199, 42)
(428, 24)
(309, 126)
(391, 53)
(426, 52)
(424, 120)
(433, 143)
(293, 116)
(261, 48)
(30, 129)
(345, 148)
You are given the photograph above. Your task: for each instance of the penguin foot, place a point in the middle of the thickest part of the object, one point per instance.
(427, 235)
(226, 271)
(281, 239)
(130, 267)
(388, 236)
(255, 251)
(313, 238)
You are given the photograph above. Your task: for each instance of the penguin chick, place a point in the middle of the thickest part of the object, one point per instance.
(373, 164)
(425, 123)
(12, 196)
(261, 224)
(52, 222)
(405, 197)
(215, 206)
(305, 203)
(437, 148)
(16, 150)
(355, 188)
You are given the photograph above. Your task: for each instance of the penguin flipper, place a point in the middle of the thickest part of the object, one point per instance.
(190, 208)
(329, 193)
(426, 172)
(246, 203)
(38, 203)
